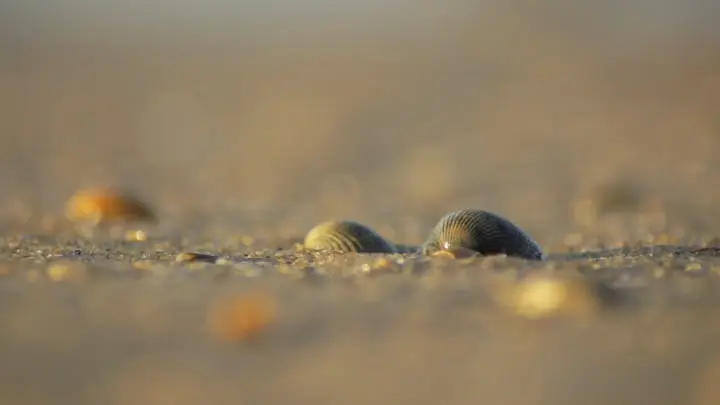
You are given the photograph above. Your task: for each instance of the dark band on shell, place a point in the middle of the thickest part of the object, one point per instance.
(483, 232)
(347, 237)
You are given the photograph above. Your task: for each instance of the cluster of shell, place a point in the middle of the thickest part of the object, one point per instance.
(458, 234)
(466, 233)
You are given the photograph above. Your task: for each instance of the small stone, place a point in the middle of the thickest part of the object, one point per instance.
(193, 257)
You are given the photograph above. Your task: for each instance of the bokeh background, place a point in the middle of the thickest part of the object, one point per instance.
(586, 122)
(274, 115)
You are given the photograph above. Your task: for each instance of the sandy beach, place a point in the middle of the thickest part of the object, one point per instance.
(592, 133)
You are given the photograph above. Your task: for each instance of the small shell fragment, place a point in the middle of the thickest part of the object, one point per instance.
(482, 232)
(103, 204)
(347, 237)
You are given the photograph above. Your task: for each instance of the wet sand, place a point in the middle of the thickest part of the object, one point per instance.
(589, 145)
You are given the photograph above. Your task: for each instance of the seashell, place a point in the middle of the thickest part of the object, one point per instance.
(347, 237)
(243, 318)
(107, 205)
(482, 232)
(541, 296)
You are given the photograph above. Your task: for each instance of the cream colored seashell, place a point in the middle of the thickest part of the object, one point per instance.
(482, 232)
(347, 237)
(541, 296)
(103, 204)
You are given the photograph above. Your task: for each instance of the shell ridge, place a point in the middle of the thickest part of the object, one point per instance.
(484, 232)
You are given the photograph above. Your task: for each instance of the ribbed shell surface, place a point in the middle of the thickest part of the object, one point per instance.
(347, 237)
(483, 232)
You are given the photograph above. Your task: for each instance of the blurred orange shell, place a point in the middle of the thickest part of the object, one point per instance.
(107, 205)
(242, 318)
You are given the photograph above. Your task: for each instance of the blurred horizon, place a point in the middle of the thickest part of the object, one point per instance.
(266, 111)
(629, 21)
